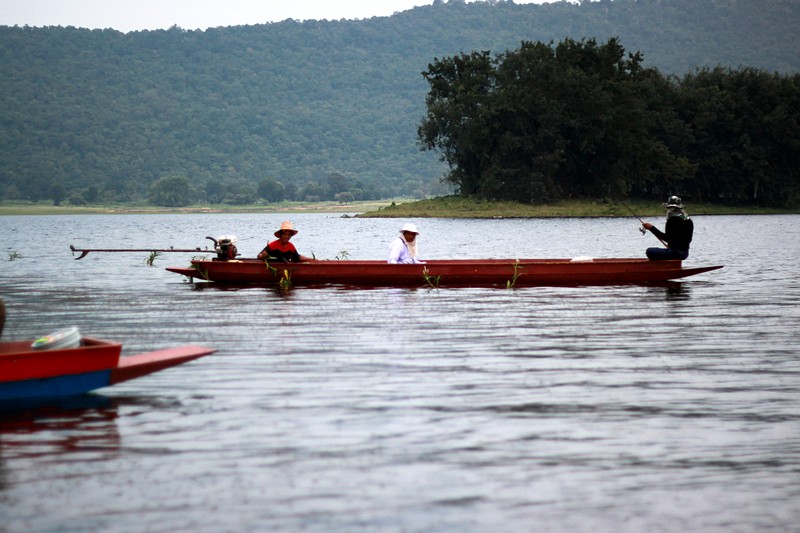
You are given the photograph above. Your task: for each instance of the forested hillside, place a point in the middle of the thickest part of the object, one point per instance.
(311, 109)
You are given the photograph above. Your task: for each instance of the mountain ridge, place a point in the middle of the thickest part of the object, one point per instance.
(101, 114)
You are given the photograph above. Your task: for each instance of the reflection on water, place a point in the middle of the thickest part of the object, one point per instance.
(37, 430)
(632, 408)
(678, 291)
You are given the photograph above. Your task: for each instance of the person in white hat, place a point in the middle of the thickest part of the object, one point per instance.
(404, 248)
(677, 233)
(281, 249)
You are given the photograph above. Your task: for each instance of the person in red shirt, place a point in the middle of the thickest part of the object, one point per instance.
(282, 249)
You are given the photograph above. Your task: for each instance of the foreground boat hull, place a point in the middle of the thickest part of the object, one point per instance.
(32, 374)
(55, 387)
(442, 273)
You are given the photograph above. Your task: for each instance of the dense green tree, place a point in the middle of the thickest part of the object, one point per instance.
(11, 192)
(171, 191)
(337, 183)
(312, 192)
(271, 190)
(578, 119)
(746, 139)
(215, 191)
(459, 90)
(241, 193)
(91, 194)
(344, 197)
(58, 193)
(544, 122)
(77, 199)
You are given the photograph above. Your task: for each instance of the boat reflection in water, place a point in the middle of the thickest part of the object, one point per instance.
(42, 428)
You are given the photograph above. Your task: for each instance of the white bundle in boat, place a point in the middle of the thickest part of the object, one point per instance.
(60, 340)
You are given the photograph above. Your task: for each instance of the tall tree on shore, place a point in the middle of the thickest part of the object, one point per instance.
(578, 119)
(544, 122)
(171, 191)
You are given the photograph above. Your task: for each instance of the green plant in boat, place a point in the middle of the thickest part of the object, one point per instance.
(432, 281)
(271, 269)
(152, 258)
(202, 271)
(517, 272)
(286, 280)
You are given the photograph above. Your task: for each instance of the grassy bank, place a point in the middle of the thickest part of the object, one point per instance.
(28, 208)
(456, 207)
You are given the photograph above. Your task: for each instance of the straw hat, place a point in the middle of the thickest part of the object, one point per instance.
(410, 228)
(286, 226)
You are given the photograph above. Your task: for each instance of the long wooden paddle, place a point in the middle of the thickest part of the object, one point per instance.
(85, 251)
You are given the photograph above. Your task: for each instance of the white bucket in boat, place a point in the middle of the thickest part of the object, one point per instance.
(60, 340)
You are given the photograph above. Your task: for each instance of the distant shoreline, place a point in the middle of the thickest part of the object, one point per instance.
(456, 207)
(442, 207)
(8, 209)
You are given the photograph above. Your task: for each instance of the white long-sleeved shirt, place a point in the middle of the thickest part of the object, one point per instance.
(398, 252)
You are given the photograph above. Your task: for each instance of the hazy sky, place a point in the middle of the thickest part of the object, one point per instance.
(129, 15)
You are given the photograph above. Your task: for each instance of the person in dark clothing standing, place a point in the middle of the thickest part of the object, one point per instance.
(282, 249)
(677, 233)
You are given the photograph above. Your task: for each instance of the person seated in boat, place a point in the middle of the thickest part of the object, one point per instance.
(281, 249)
(404, 248)
(677, 233)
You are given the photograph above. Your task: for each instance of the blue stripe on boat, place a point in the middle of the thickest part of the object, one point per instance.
(56, 386)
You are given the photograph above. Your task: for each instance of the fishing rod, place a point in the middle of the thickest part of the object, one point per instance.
(642, 228)
(85, 251)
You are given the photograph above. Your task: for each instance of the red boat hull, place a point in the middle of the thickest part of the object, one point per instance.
(19, 362)
(442, 273)
(26, 373)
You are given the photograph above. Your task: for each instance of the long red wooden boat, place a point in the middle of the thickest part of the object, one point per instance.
(441, 273)
(28, 373)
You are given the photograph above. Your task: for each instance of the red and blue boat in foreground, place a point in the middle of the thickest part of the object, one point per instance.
(28, 371)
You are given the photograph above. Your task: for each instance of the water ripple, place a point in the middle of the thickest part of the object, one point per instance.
(578, 409)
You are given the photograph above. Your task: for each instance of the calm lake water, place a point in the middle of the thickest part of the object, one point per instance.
(544, 409)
